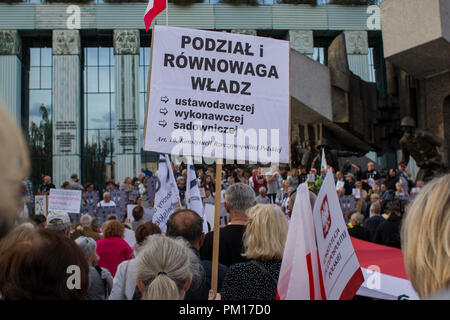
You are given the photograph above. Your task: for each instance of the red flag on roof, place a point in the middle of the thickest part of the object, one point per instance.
(154, 8)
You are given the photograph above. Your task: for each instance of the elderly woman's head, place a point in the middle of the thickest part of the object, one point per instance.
(113, 228)
(266, 232)
(426, 238)
(89, 248)
(166, 268)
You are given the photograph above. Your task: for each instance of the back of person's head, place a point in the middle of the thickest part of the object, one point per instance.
(357, 219)
(87, 245)
(39, 220)
(239, 197)
(375, 208)
(59, 221)
(111, 217)
(144, 230)
(185, 223)
(138, 213)
(15, 166)
(18, 233)
(46, 266)
(166, 267)
(85, 220)
(113, 228)
(266, 233)
(95, 224)
(426, 238)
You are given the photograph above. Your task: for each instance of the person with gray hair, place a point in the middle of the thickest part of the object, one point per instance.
(166, 268)
(100, 279)
(238, 199)
(262, 198)
(85, 229)
(106, 202)
(356, 228)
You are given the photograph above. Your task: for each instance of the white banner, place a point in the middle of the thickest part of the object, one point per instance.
(193, 198)
(166, 199)
(40, 205)
(64, 200)
(341, 272)
(218, 95)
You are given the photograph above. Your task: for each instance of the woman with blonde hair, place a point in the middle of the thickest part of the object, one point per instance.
(166, 268)
(15, 166)
(426, 240)
(264, 241)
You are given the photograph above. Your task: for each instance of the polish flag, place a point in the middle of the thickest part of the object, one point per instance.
(154, 8)
(384, 272)
(300, 274)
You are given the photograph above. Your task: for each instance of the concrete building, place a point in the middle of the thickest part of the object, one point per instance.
(75, 77)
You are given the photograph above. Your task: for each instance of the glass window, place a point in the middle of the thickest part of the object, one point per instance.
(40, 113)
(99, 110)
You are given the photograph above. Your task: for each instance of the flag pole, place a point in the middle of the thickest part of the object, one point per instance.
(167, 12)
(216, 231)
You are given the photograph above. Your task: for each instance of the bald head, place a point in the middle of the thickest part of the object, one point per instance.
(187, 224)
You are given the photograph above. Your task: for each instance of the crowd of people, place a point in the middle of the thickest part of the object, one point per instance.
(51, 258)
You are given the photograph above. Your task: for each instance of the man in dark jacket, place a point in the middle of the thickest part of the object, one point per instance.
(388, 232)
(188, 224)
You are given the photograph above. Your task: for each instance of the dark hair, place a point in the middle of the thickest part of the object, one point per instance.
(39, 219)
(74, 176)
(65, 184)
(189, 226)
(138, 213)
(38, 268)
(111, 217)
(144, 230)
(95, 223)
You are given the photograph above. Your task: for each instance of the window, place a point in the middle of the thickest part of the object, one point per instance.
(40, 113)
(99, 111)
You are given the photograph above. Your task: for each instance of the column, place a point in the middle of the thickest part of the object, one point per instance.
(127, 137)
(302, 41)
(357, 45)
(11, 72)
(66, 101)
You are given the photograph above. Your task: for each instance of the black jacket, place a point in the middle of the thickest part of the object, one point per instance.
(388, 232)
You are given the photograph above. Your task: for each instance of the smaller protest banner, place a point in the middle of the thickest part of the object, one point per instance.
(356, 193)
(40, 205)
(64, 200)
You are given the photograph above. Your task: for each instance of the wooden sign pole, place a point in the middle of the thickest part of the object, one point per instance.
(216, 231)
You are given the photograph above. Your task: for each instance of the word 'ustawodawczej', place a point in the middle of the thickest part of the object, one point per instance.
(220, 65)
(216, 105)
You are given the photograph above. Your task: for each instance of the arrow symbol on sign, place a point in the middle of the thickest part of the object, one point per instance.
(163, 111)
(162, 123)
(164, 99)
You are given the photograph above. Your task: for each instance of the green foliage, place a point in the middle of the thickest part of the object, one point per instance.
(94, 159)
(40, 144)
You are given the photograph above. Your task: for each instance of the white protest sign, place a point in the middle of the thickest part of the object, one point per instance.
(64, 200)
(341, 272)
(218, 95)
(357, 193)
(130, 208)
(40, 205)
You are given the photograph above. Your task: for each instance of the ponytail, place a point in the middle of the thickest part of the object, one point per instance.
(162, 288)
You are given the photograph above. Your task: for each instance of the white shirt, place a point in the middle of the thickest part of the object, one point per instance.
(106, 204)
(124, 282)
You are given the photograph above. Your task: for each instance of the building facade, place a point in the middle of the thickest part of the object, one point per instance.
(74, 76)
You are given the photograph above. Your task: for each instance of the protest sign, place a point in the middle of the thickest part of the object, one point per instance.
(40, 205)
(130, 208)
(193, 198)
(341, 272)
(207, 89)
(166, 199)
(64, 200)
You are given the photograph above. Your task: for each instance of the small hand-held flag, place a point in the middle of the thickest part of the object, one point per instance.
(154, 8)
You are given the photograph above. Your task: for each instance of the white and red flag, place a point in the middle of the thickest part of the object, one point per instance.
(384, 272)
(300, 276)
(341, 272)
(154, 8)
